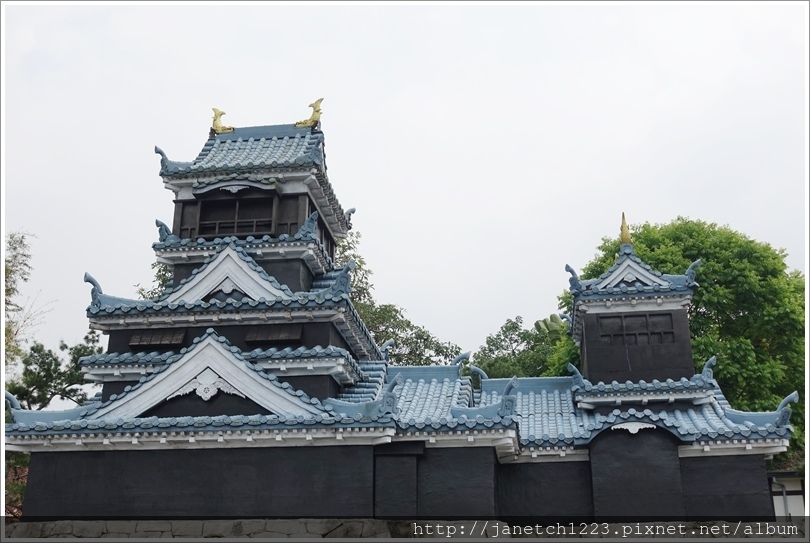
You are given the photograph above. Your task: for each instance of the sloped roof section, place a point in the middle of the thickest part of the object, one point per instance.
(250, 149)
(261, 157)
(549, 414)
(231, 268)
(629, 275)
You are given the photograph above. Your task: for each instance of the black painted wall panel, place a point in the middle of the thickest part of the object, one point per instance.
(727, 486)
(271, 482)
(395, 486)
(457, 482)
(544, 489)
(636, 474)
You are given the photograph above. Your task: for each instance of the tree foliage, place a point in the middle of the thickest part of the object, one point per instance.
(163, 274)
(414, 345)
(46, 376)
(20, 318)
(513, 350)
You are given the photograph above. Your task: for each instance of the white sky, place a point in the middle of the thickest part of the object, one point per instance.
(484, 146)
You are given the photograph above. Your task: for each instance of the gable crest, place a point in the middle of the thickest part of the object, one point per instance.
(629, 273)
(230, 271)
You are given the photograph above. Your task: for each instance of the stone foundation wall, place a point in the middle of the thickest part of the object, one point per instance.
(358, 528)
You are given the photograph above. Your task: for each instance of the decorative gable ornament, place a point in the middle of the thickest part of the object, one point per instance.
(227, 272)
(631, 274)
(632, 427)
(206, 385)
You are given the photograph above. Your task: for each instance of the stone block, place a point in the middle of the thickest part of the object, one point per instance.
(62, 527)
(305, 535)
(350, 529)
(286, 526)
(118, 535)
(121, 526)
(26, 529)
(269, 535)
(153, 526)
(140, 535)
(89, 528)
(321, 526)
(47, 528)
(372, 527)
(253, 526)
(187, 528)
(217, 528)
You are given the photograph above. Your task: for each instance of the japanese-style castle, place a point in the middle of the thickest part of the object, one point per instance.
(252, 388)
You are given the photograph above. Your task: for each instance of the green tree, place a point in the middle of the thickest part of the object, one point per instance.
(513, 350)
(414, 345)
(749, 309)
(163, 274)
(20, 319)
(46, 376)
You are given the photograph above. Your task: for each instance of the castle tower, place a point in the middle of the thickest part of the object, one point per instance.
(631, 322)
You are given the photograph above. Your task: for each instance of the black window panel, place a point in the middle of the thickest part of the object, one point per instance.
(278, 332)
(245, 216)
(635, 323)
(610, 325)
(163, 338)
(660, 323)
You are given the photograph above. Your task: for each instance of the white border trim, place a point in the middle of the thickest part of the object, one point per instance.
(139, 439)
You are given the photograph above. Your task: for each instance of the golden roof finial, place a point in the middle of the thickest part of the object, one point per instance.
(315, 117)
(624, 236)
(218, 127)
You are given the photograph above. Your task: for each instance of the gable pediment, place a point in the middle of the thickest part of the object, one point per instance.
(230, 273)
(629, 273)
(207, 369)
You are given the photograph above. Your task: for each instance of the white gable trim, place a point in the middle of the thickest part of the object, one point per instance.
(227, 272)
(630, 271)
(209, 354)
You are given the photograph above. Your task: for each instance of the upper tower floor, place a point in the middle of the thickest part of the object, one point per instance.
(256, 181)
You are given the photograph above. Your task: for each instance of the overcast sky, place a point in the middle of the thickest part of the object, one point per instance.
(484, 146)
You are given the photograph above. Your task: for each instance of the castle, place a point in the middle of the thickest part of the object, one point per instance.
(252, 388)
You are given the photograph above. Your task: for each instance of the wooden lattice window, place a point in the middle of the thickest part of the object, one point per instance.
(155, 338)
(239, 216)
(639, 329)
(276, 333)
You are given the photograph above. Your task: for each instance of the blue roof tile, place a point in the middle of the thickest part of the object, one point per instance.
(252, 149)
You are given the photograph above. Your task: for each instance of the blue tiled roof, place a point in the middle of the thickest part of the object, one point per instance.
(256, 355)
(240, 251)
(248, 243)
(369, 387)
(546, 411)
(249, 149)
(672, 284)
(701, 382)
(547, 415)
